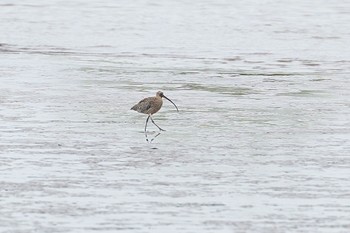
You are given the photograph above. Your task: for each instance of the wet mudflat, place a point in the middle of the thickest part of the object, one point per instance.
(260, 143)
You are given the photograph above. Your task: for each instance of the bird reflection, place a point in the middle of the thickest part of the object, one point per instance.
(151, 139)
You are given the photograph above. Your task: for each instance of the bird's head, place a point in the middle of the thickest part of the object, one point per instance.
(160, 94)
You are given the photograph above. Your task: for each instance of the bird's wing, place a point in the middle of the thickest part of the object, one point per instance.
(143, 105)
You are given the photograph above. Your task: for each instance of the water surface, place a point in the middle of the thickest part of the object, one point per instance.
(261, 142)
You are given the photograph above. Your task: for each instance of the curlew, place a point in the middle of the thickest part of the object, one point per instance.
(150, 106)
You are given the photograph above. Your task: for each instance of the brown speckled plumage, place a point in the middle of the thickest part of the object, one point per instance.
(149, 105)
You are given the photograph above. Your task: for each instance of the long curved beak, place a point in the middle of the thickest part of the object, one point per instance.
(171, 102)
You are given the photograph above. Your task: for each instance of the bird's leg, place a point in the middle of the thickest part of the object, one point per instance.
(146, 127)
(147, 122)
(156, 124)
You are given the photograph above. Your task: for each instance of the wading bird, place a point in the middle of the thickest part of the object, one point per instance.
(150, 106)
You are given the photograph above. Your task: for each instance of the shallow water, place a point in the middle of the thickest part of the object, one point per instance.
(261, 142)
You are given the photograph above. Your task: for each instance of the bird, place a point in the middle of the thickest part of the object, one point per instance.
(150, 106)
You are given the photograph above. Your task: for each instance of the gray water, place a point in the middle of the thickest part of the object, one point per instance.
(260, 144)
